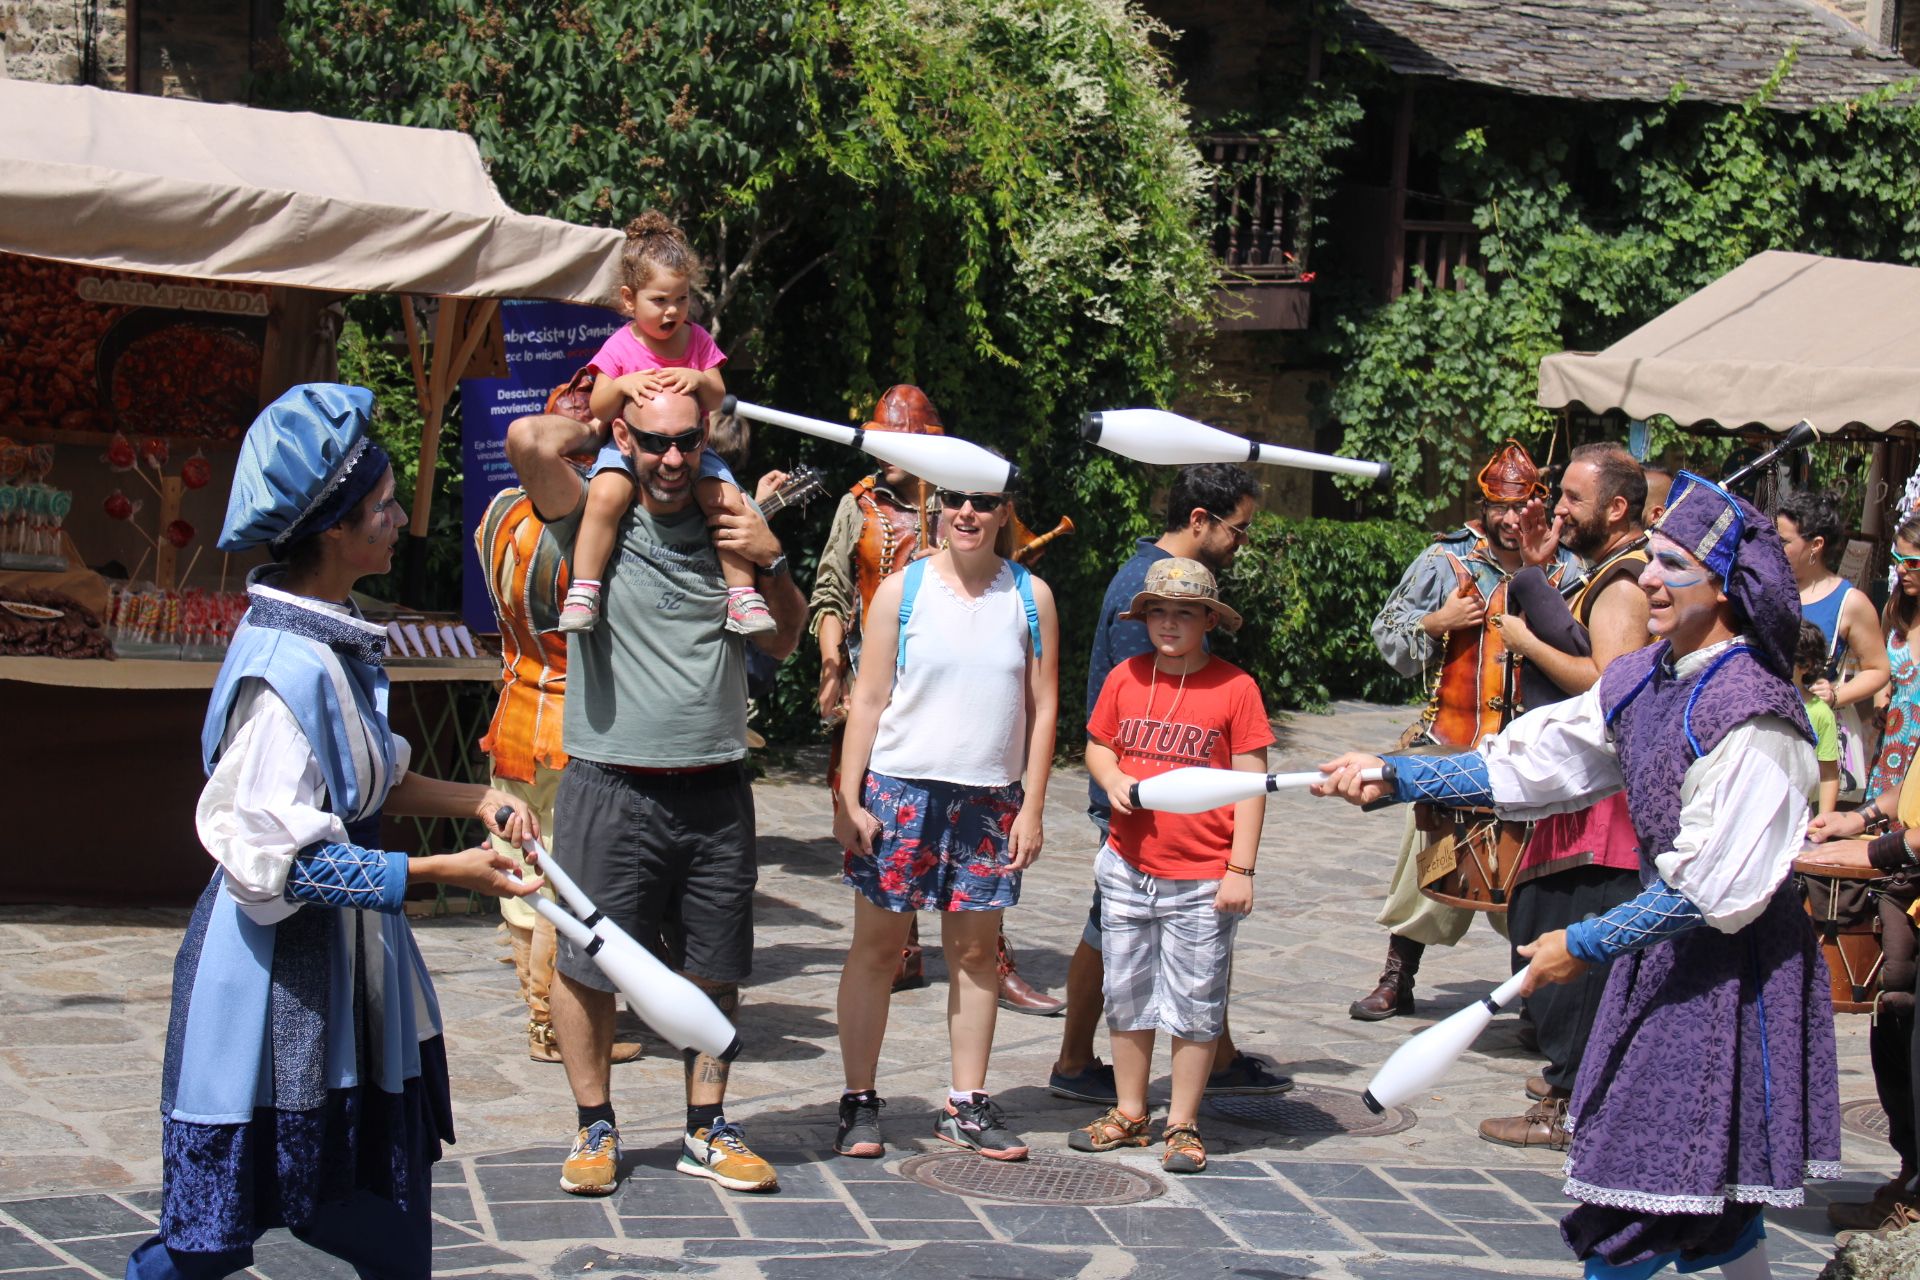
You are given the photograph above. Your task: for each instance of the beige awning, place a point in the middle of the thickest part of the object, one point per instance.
(1782, 337)
(272, 197)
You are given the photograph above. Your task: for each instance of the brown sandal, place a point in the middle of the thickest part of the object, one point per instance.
(1113, 1130)
(1185, 1153)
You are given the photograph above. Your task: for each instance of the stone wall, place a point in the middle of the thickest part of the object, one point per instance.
(46, 40)
(1272, 406)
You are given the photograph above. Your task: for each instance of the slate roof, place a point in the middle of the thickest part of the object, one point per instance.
(1635, 50)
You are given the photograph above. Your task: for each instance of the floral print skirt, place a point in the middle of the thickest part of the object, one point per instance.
(942, 846)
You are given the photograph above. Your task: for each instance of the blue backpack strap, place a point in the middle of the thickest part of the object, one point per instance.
(916, 574)
(917, 571)
(1023, 583)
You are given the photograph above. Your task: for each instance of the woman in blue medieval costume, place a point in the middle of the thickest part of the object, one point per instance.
(305, 1083)
(1709, 1089)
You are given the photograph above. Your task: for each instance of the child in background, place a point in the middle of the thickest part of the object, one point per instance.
(1173, 887)
(1809, 665)
(660, 351)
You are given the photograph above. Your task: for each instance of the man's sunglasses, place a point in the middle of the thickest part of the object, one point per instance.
(655, 443)
(984, 503)
(1240, 532)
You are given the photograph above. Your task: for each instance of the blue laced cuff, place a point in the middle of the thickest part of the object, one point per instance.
(346, 875)
(1658, 913)
(1456, 781)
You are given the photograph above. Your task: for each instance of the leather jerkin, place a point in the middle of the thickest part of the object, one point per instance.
(889, 535)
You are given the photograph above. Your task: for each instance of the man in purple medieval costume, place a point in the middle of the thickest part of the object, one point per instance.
(1709, 1088)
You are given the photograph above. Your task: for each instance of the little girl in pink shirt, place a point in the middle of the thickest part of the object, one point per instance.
(660, 351)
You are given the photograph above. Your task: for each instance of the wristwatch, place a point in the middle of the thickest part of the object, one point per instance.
(774, 570)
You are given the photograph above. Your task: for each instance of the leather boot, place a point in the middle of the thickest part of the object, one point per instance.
(1394, 995)
(1018, 997)
(1543, 1125)
(540, 952)
(912, 973)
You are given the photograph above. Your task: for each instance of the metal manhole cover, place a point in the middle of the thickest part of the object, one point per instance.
(1311, 1111)
(1864, 1118)
(1039, 1179)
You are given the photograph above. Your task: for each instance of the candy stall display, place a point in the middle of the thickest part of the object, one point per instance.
(33, 513)
(145, 621)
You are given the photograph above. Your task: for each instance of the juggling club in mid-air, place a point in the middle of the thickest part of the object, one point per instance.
(682, 1013)
(1419, 1064)
(1167, 439)
(1197, 790)
(946, 462)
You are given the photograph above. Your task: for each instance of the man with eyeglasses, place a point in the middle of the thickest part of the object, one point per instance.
(883, 522)
(1210, 513)
(654, 814)
(1435, 624)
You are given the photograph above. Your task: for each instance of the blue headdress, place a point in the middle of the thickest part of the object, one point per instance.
(1733, 539)
(306, 462)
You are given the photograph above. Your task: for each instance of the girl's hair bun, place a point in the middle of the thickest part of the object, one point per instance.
(650, 224)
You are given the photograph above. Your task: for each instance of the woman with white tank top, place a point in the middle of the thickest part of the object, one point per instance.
(949, 743)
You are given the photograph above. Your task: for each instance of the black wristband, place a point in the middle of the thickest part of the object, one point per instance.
(1889, 852)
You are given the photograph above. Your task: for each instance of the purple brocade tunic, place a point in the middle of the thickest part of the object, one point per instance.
(1710, 1085)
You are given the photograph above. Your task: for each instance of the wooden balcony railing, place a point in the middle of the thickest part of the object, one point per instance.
(1257, 223)
(1441, 249)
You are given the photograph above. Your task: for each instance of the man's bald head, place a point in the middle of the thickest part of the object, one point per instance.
(666, 413)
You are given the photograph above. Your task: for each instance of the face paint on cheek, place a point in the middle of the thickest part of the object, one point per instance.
(1674, 572)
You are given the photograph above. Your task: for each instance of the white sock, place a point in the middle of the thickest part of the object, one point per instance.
(958, 1096)
(1751, 1265)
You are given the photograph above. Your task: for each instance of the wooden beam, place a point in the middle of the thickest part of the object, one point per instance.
(432, 404)
(1396, 255)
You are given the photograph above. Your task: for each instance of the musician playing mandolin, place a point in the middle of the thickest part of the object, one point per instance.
(1438, 615)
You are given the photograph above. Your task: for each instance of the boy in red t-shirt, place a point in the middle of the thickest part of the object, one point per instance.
(1173, 887)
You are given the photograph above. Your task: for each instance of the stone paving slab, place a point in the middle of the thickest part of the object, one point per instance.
(85, 993)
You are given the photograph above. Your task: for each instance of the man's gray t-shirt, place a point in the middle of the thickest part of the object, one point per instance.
(659, 682)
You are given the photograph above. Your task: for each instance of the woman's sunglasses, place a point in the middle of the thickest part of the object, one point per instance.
(984, 503)
(1903, 563)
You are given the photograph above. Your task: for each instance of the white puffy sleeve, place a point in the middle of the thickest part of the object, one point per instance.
(1743, 820)
(265, 802)
(1555, 759)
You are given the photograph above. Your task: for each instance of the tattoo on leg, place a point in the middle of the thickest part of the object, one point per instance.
(702, 1069)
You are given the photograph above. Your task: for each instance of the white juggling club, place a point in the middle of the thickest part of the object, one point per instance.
(682, 1013)
(1167, 439)
(1419, 1064)
(946, 462)
(1198, 790)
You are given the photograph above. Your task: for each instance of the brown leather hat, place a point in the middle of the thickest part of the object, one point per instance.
(1510, 476)
(906, 408)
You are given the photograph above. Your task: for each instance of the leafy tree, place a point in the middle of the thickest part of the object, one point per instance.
(995, 199)
(1597, 217)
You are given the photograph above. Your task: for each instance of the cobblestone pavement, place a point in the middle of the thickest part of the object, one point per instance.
(1307, 1185)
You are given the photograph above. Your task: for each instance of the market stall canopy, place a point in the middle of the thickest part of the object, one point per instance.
(1783, 336)
(236, 193)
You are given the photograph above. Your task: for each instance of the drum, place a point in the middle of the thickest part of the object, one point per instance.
(1846, 915)
(1471, 856)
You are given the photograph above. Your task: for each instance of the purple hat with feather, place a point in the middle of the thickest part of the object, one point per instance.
(1732, 538)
